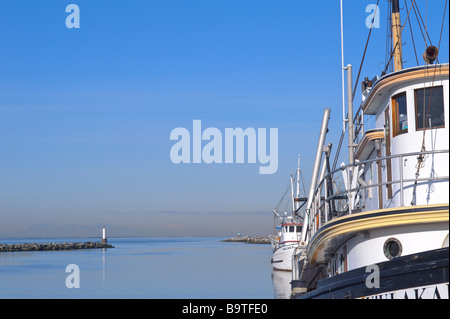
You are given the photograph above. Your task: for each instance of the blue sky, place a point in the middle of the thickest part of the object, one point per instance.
(86, 114)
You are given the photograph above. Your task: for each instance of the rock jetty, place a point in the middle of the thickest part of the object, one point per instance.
(52, 246)
(248, 240)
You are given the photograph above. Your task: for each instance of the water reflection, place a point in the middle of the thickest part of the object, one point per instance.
(282, 284)
(103, 265)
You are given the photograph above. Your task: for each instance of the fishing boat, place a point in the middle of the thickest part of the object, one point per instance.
(287, 233)
(284, 243)
(384, 233)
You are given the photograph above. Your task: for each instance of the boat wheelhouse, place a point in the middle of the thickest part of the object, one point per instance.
(284, 243)
(385, 233)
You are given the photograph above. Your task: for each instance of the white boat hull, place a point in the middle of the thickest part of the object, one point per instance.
(282, 257)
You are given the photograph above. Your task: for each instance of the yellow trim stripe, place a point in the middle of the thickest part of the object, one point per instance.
(383, 218)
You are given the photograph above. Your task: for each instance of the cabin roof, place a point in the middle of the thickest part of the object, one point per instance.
(367, 144)
(402, 77)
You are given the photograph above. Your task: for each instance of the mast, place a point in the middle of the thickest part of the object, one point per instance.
(298, 184)
(351, 132)
(292, 195)
(316, 168)
(397, 36)
(343, 69)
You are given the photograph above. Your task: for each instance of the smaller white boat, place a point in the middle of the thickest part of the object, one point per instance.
(288, 232)
(285, 242)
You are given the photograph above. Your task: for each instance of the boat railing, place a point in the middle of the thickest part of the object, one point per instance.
(328, 204)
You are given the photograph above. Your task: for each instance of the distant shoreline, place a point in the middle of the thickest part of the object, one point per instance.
(52, 246)
(97, 237)
(261, 240)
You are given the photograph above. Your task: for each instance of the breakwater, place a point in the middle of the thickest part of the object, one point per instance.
(53, 246)
(248, 240)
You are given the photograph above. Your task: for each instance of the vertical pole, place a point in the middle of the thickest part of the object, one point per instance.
(351, 132)
(342, 65)
(349, 193)
(292, 195)
(326, 208)
(400, 163)
(323, 172)
(397, 35)
(298, 183)
(316, 168)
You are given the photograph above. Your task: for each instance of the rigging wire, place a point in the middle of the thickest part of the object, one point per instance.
(424, 25)
(354, 89)
(365, 51)
(417, 13)
(412, 36)
(432, 83)
(277, 207)
(388, 34)
(442, 26)
(303, 184)
(421, 158)
(420, 25)
(396, 44)
(282, 198)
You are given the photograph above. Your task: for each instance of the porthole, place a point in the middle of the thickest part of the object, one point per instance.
(392, 248)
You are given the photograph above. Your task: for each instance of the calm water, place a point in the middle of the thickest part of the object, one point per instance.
(174, 268)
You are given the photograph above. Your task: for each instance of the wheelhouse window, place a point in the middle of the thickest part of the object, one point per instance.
(429, 107)
(399, 114)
